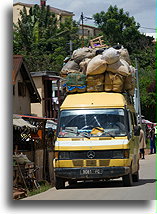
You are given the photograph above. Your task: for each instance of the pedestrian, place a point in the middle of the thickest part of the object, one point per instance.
(142, 143)
(152, 140)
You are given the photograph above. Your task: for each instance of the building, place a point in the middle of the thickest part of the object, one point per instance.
(89, 31)
(24, 89)
(48, 85)
(60, 14)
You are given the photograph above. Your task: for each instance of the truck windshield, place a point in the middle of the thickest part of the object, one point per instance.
(92, 123)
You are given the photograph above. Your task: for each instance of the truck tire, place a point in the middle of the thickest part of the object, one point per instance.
(127, 180)
(59, 183)
(135, 177)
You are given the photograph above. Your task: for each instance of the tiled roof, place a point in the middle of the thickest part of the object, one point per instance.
(52, 9)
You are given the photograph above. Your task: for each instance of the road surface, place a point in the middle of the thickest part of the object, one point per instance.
(111, 190)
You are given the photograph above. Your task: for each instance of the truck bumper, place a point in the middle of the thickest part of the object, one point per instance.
(91, 172)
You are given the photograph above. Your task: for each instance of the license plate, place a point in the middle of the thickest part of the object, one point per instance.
(91, 171)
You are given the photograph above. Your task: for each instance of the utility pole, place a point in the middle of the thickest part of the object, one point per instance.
(71, 47)
(137, 94)
(82, 23)
(82, 17)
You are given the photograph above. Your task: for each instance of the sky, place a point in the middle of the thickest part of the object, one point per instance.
(144, 11)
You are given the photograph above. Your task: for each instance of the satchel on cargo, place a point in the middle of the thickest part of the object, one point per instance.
(96, 66)
(83, 65)
(111, 55)
(70, 67)
(129, 84)
(82, 53)
(125, 55)
(120, 67)
(76, 82)
(113, 82)
(95, 83)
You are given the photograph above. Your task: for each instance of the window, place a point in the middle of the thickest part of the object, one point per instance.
(105, 122)
(21, 89)
(13, 89)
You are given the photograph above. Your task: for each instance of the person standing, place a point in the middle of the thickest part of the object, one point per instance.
(152, 140)
(142, 144)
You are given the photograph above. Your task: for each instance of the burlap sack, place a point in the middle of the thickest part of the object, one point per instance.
(95, 83)
(113, 82)
(82, 53)
(132, 70)
(96, 66)
(129, 84)
(111, 55)
(120, 67)
(83, 65)
(70, 67)
(125, 55)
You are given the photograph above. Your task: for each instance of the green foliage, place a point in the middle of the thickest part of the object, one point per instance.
(118, 27)
(147, 80)
(42, 40)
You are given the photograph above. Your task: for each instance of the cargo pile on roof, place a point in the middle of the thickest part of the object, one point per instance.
(97, 69)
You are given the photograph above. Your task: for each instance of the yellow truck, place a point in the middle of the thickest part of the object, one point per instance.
(97, 139)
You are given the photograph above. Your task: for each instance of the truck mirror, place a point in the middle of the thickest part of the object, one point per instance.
(137, 130)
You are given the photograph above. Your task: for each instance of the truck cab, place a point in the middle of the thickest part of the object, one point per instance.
(97, 139)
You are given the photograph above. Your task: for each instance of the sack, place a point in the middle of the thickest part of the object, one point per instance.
(70, 67)
(83, 65)
(113, 82)
(74, 79)
(132, 70)
(95, 83)
(111, 55)
(129, 84)
(125, 55)
(82, 53)
(21, 158)
(96, 66)
(120, 67)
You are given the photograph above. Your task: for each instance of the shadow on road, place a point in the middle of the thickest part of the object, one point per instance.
(107, 184)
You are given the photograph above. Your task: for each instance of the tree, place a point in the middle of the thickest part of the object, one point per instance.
(118, 27)
(42, 40)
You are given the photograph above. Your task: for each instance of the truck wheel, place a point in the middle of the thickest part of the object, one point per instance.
(135, 177)
(59, 183)
(127, 180)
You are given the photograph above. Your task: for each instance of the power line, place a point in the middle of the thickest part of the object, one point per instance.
(149, 28)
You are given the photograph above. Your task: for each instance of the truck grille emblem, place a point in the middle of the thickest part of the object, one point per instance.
(91, 154)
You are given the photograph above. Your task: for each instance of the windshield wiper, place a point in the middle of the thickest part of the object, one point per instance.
(105, 132)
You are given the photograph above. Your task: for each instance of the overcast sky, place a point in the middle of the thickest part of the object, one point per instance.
(143, 10)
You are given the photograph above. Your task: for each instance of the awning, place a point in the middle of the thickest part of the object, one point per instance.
(19, 123)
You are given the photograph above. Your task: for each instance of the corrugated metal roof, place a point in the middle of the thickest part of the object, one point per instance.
(52, 9)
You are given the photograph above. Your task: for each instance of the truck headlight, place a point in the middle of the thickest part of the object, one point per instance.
(120, 154)
(64, 156)
(126, 153)
(117, 154)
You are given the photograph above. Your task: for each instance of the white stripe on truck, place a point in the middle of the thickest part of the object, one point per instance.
(92, 142)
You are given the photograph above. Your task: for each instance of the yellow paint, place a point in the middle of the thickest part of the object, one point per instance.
(99, 163)
(94, 100)
(97, 100)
